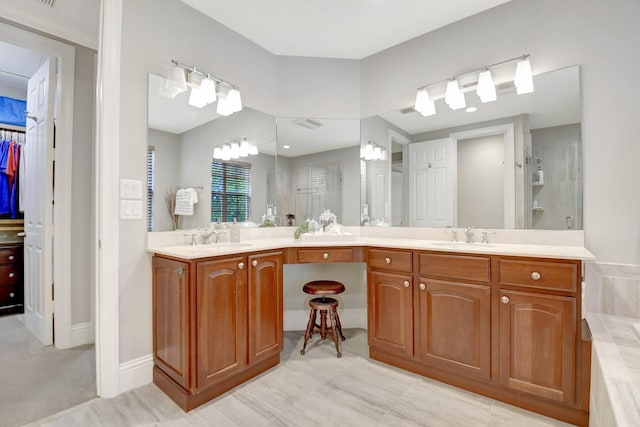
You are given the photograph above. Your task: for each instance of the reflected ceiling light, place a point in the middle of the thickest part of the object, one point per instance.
(453, 96)
(371, 151)
(524, 77)
(471, 110)
(424, 105)
(235, 150)
(486, 90)
(479, 80)
(286, 147)
(203, 88)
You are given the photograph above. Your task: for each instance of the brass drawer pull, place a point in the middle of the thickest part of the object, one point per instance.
(504, 299)
(535, 275)
(388, 260)
(254, 262)
(241, 265)
(11, 257)
(180, 271)
(325, 255)
(423, 286)
(406, 283)
(11, 274)
(11, 295)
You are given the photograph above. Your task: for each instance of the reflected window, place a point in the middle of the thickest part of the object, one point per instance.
(230, 191)
(150, 179)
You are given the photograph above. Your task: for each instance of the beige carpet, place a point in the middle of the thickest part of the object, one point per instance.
(36, 381)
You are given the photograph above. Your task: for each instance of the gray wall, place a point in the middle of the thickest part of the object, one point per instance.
(480, 182)
(599, 36)
(166, 174)
(12, 92)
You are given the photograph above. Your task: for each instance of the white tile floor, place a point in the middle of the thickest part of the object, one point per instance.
(313, 390)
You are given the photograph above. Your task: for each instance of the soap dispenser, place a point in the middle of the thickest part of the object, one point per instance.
(540, 175)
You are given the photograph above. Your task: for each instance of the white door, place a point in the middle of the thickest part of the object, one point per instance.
(378, 191)
(38, 212)
(432, 183)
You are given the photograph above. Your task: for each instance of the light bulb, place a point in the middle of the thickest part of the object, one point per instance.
(453, 97)
(217, 153)
(235, 150)
(424, 105)
(486, 90)
(208, 88)
(234, 99)
(226, 153)
(524, 77)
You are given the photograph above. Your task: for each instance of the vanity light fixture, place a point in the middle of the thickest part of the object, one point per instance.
(481, 80)
(373, 151)
(234, 150)
(205, 88)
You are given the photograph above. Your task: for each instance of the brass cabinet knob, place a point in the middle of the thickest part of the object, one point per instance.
(504, 299)
(11, 274)
(11, 295)
(254, 262)
(423, 286)
(180, 271)
(406, 283)
(535, 275)
(241, 265)
(325, 255)
(388, 260)
(11, 257)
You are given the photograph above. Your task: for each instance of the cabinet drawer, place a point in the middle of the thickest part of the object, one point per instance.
(9, 274)
(561, 276)
(387, 259)
(456, 267)
(10, 256)
(325, 255)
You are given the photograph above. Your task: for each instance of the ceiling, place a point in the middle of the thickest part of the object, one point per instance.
(16, 66)
(351, 29)
(332, 134)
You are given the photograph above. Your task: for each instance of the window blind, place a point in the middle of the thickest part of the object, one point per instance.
(150, 173)
(230, 191)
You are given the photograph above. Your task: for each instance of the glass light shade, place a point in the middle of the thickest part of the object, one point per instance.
(244, 148)
(377, 153)
(384, 154)
(253, 150)
(424, 105)
(235, 150)
(368, 151)
(176, 80)
(524, 77)
(234, 99)
(197, 97)
(226, 153)
(223, 108)
(208, 88)
(486, 90)
(453, 97)
(217, 153)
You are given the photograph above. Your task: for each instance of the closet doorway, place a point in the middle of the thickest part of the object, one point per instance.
(46, 378)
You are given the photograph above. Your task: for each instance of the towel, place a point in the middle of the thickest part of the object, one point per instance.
(185, 199)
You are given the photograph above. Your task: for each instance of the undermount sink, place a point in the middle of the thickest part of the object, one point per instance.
(463, 245)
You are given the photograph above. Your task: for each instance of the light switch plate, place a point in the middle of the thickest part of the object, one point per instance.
(130, 209)
(131, 189)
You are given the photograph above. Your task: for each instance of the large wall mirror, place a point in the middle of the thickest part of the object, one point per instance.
(182, 139)
(318, 169)
(512, 163)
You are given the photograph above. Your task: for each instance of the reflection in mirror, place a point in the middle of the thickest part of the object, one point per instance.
(318, 169)
(181, 140)
(512, 163)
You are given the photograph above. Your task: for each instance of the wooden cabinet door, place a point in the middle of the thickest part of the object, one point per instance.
(390, 314)
(265, 305)
(455, 326)
(171, 318)
(221, 313)
(538, 344)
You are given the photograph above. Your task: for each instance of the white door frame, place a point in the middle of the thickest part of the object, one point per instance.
(65, 55)
(507, 131)
(107, 215)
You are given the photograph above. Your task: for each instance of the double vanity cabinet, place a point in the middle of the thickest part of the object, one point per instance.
(508, 327)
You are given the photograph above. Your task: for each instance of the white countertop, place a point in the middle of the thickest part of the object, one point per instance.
(508, 249)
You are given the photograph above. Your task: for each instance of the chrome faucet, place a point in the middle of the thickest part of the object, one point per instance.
(454, 234)
(485, 236)
(194, 238)
(207, 237)
(468, 234)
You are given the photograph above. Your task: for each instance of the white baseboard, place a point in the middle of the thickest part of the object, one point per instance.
(296, 320)
(136, 373)
(82, 333)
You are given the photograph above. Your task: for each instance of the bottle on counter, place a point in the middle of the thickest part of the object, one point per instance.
(234, 231)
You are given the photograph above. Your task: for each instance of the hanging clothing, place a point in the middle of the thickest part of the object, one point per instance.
(9, 176)
(5, 189)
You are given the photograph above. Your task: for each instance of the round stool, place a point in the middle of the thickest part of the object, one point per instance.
(325, 306)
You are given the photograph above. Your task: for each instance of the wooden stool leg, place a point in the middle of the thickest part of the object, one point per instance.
(339, 325)
(323, 324)
(334, 330)
(309, 332)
